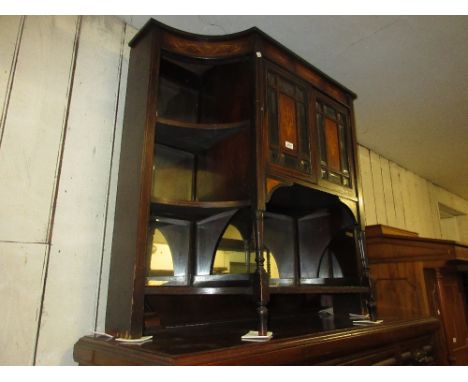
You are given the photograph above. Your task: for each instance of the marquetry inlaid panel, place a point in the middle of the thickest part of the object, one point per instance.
(288, 132)
(334, 141)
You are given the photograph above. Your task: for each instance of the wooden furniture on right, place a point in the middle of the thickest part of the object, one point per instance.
(416, 276)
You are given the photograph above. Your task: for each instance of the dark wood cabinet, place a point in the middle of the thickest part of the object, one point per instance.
(237, 200)
(416, 276)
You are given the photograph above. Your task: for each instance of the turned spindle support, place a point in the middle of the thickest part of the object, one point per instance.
(261, 276)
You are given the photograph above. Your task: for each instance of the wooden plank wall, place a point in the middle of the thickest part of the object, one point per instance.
(62, 91)
(400, 198)
(62, 87)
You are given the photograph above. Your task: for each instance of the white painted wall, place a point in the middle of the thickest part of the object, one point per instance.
(397, 197)
(62, 91)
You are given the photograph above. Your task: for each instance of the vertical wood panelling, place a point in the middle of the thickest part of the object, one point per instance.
(106, 256)
(427, 209)
(415, 200)
(407, 192)
(421, 206)
(367, 186)
(79, 223)
(22, 271)
(10, 32)
(379, 196)
(34, 126)
(397, 195)
(388, 192)
(434, 212)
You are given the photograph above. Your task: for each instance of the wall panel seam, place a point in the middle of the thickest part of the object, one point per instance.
(401, 195)
(11, 79)
(23, 242)
(57, 180)
(373, 188)
(101, 261)
(361, 193)
(58, 166)
(383, 189)
(393, 192)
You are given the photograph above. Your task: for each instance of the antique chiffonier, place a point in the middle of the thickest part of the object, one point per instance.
(238, 208)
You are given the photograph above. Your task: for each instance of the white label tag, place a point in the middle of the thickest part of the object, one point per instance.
(289, 145)
(259, 54)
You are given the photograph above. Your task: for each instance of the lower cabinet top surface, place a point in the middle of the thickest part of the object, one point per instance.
(222, 346)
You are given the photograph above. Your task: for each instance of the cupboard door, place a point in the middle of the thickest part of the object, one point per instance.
(452, 299)
(334, 138)
(287, 123)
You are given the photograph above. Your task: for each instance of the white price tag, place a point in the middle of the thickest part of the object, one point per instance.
(289, 145)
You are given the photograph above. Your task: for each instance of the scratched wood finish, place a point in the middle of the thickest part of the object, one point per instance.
(34, 126)
(79, 223)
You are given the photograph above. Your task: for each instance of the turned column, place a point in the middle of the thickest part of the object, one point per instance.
(261, 292)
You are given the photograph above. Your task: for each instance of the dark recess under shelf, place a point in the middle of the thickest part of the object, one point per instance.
(195, 137)
(192, 210)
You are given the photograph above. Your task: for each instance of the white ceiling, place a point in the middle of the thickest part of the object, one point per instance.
(410, 74)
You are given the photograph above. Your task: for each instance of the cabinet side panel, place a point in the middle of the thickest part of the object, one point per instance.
(124, 245)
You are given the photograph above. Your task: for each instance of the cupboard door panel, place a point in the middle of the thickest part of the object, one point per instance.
(333, 145)
(334, 140)
(287, 124)
(455, 320)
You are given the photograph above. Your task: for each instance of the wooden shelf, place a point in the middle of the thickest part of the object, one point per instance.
(195, 137)
(193, 210)
(317, 289)
(186, 290)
